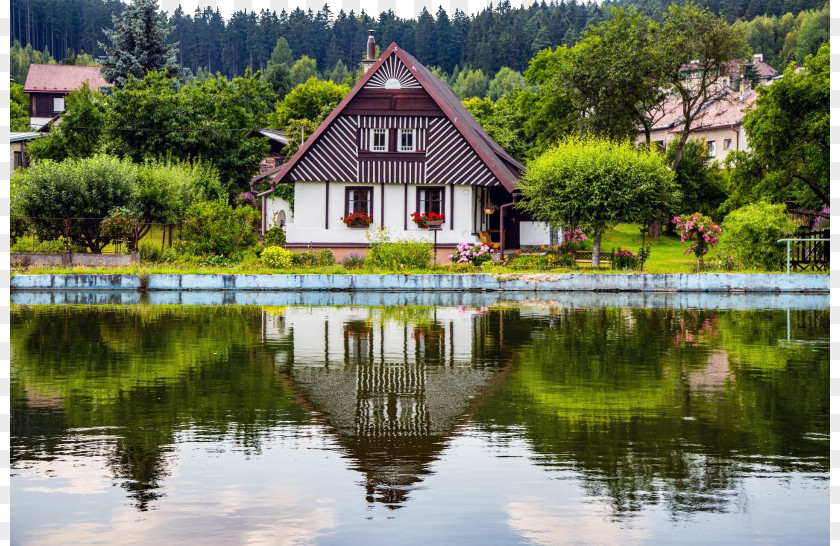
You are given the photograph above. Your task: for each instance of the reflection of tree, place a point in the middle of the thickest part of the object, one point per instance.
(145, 373)
(608, 393)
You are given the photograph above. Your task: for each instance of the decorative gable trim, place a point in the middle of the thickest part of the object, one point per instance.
(393, 74)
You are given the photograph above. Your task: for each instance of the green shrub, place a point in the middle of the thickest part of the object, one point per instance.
(353, 261)
(750, 235)
(625, 259)
(32, 244)
(120, 225)
(399, 255)
(277, 257)
(529, 262)
(312, 258)
(275, 237)
(214, 228)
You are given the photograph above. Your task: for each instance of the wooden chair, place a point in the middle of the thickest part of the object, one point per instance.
(484, 237)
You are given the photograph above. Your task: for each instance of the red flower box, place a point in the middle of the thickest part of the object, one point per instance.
(428, 219)
(357, 219)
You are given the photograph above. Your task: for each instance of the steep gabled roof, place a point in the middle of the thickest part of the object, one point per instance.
(501, 164)
(59, 78)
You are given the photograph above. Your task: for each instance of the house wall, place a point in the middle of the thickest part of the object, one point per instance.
(308, 224)
(534, 233)
(18, 147)
(735, 133)
(41, 104)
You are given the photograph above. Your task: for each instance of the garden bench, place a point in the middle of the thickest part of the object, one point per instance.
(585, 256)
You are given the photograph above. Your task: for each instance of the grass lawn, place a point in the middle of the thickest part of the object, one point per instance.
(666, 252)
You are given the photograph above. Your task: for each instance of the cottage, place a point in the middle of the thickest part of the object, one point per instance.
(400, 143)
(17, 147)
(48, 85)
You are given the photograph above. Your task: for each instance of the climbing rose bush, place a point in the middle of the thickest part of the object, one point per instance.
(475, 254)
(700, 230)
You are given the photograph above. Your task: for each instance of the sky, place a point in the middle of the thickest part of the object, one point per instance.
(403, 8)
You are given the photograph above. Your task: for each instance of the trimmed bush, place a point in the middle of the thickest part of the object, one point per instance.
(275, 237)
(312, 258)
(277, 257)
(214, 228)
(399, 255)
(353, 261)
(750, 235)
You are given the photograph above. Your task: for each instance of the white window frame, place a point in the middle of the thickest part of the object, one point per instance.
(727, 143)
(373, 133)
(56, 102)
(413, 133)
(711, 145)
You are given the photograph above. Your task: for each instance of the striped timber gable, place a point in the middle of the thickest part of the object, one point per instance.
(399, 93)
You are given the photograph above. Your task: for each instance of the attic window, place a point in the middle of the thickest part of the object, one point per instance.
(392, 83)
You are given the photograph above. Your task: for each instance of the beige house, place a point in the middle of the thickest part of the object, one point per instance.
(718, 125)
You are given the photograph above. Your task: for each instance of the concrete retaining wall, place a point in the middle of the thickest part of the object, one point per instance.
(657, 300)
(75, 258)
(712, 282)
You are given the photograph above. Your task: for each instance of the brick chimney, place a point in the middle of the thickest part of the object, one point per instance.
(370, 53)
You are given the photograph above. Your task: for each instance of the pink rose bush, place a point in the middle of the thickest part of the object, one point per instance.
(700, 230)
(471, 253)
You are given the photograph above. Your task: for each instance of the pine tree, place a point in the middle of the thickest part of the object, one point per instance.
(138, 44)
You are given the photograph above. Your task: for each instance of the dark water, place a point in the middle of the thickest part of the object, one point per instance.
(520, 423)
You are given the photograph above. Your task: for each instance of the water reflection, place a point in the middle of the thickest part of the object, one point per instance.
(679, 411)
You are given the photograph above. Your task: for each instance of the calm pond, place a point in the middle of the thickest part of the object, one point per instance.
(519, 422)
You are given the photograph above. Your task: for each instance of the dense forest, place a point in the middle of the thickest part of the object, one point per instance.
(498, 36)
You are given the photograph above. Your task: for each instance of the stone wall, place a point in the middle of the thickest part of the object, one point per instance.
(75, 258)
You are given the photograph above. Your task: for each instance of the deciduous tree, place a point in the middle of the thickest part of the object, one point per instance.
(595, 184)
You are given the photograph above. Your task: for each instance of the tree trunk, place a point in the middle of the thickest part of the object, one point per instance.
(596, 249)
(680, 147)
(654, 228)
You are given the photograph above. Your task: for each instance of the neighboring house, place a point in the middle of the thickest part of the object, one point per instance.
(400, 142)
(719, 124)
(17, 143)
(277, 141)
(49, 84)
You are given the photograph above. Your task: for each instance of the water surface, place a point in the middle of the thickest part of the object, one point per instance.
(521, 422)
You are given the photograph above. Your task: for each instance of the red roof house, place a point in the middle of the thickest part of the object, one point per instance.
(48, 84)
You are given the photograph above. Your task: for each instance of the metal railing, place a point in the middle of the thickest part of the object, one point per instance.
(808, 252)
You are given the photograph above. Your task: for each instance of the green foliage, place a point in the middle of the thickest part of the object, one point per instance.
(277, 76)
(505, 82)
(550, 112)
(74, 188)
(615, 75)
(39, 246)
(312, 100)
(340, 74)
(695, 36)
(277, 257)
(313, 258)
(21, 57)
(207, 120)
(139, 44)
(397, 255)
(507, 122)
(275, 236)
(788, 132)
(595, 184)
(281, 54)
(214, 228)
(81, 132)
(19, 114)
(119, 225)
(471, 83)
(303, 70)
(699, 181)
(750, 234)
(624, 259)
(353, 261)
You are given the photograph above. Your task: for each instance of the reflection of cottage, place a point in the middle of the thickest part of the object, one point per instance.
(393, 399)
(49, 84)
(400, 142)
(17, 143)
